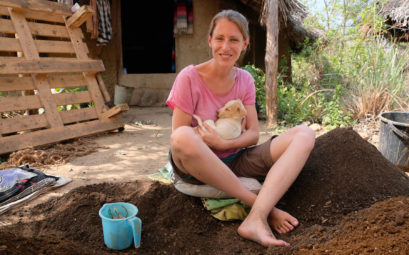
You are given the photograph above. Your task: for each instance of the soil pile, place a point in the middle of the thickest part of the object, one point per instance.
(343, 174)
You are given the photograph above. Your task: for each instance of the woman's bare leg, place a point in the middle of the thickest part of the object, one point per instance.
(191, 155)
(290, 151)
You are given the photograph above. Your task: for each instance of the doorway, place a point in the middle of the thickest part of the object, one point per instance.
(147, 36)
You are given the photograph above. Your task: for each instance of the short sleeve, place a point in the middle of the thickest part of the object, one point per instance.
(181, 93)
(249, 89)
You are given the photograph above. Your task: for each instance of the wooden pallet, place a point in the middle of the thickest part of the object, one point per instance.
(42, 53)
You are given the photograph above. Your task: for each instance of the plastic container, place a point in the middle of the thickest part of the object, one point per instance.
(394, 137)
(120, 225)
(122, 94)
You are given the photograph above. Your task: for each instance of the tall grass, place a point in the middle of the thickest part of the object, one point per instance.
(376, 78)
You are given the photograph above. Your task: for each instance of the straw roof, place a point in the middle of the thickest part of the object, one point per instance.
(397, 11)
(396, 15)
(291, 16)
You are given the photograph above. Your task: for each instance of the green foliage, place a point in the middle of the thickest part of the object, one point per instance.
(298, 103)
(259, 81)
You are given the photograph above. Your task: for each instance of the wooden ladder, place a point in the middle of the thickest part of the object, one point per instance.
(44, 71)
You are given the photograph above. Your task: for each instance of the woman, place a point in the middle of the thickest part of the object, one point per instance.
(204, 157)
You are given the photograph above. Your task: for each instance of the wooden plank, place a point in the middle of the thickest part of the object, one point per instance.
(78, 115)
(80, 16)
(66, 81)
(41, 29)
(38, 6)
(10, 65)
(24, 34)
(23, 123)
(46, 97)
(72, 98)
(41, 137)
(48, 46)
(103, 89)
(95, 93)
(6, 26)
(40, 81)
(9, 104)
(80, 47)
(16, 83)
(49, 17)
(81, 50)
(9, 44)
(114, 111)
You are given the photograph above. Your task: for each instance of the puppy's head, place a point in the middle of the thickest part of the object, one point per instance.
(232, 109)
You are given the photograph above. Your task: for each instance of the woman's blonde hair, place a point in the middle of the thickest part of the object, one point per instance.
(232, 16)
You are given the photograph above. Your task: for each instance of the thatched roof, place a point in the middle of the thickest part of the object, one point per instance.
(396, 16)
(291, 16)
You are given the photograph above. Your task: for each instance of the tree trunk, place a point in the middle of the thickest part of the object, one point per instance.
(271, 61)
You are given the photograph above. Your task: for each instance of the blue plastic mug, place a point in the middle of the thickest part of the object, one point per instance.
(120, 225)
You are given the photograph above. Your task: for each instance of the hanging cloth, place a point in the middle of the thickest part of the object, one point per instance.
(104, 22)
(183, 17)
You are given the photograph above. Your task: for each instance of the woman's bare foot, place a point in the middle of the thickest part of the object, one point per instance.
(257, 230)
(281, 221)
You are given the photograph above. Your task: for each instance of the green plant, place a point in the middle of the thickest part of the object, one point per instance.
(259, 81)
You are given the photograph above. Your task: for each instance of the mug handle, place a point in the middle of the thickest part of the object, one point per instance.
(136, 225)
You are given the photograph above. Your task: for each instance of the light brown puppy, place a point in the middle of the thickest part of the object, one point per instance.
(228, 124)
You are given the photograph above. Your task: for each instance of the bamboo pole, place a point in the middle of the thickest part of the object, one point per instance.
(271, 61)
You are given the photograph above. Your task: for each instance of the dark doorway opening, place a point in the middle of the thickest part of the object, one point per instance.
(147, 36)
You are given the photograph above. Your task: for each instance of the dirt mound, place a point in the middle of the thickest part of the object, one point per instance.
(343, 175)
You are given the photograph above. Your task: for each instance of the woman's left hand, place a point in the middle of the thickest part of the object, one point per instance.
(211, 137)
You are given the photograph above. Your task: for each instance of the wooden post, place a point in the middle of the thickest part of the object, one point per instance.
(271, 60)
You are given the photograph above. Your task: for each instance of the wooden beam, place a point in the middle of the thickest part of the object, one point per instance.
(114, 111)
(16, 83)
(80, 16)
(49, 46)
(33, 15)
(66, 81)
(10, 65)
(41, 29)
(103, 89)
(19, 103)
(78, 115)
(41, 137)
(40, 81)
(23, 123)
(38, 6)
(48, 30)
(271, 61)
(72, 98)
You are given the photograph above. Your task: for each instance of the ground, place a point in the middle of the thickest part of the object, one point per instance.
(349, 199)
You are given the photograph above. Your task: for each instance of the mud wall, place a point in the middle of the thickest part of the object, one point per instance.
(153, 89)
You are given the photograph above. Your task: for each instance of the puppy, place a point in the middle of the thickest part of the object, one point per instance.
(228, 124)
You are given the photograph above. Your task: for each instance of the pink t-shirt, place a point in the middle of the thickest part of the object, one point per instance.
(191, 94)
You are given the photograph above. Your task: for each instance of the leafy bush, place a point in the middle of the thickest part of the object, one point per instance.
(299, 103)
(259, 81)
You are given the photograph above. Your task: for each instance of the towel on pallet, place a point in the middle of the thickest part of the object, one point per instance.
(221, 205)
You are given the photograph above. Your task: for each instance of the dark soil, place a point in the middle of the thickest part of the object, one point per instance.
(349, 200)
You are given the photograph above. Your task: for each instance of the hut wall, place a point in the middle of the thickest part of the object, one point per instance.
(152, 89)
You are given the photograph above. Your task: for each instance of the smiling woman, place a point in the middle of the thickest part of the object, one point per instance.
(199, 157)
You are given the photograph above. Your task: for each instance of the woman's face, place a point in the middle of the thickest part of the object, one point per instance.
(227, 42)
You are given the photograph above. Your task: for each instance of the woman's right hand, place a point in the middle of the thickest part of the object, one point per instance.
(211, 137)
